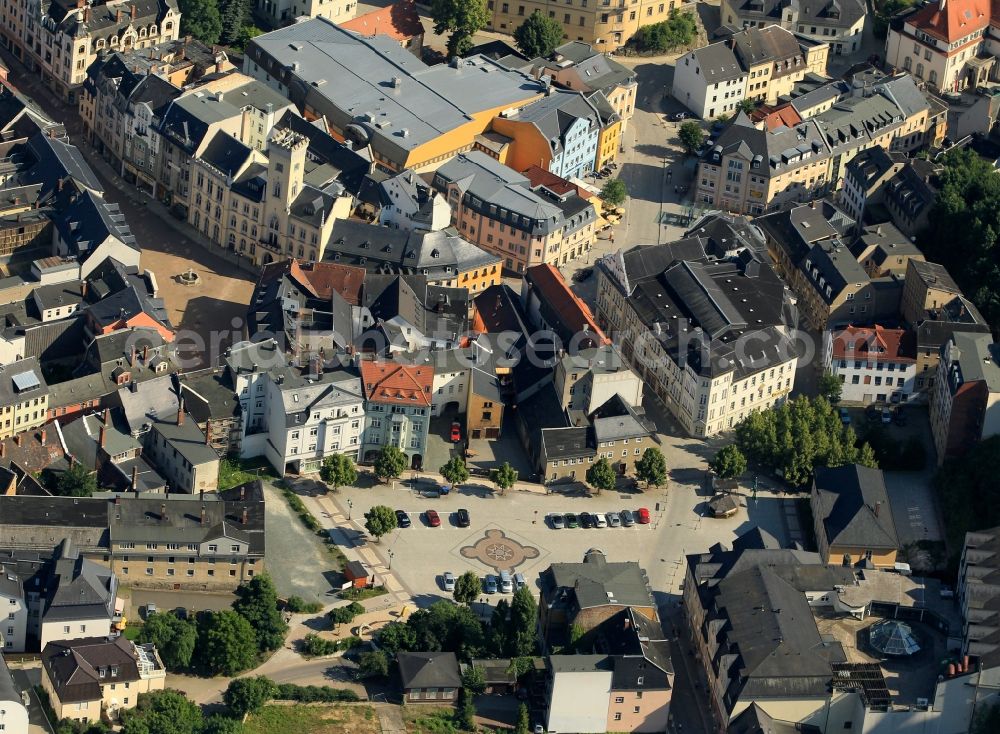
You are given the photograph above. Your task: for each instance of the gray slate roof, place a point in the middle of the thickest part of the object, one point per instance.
(429, 670)
(853, 506)
(596, 582)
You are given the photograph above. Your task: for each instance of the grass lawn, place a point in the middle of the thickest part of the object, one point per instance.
(233, 472)
(314, 719)
(422, 719)
(368, 592)
(132, 632)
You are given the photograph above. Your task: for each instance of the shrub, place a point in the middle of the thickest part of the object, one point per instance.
(310, 694)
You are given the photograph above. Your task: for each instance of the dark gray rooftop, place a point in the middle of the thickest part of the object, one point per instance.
(596, 582)
(853, 506)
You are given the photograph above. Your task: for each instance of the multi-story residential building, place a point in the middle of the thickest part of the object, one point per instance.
(125, 95)
(910, 194)
(605, 27)
(950, 45)
(754, 170)
(837, 23)
(928, 288)
(552, 306)
(884, 251)
(853, 518)
(935, 328)
(559, 132)
(408, 202)
(965, 401)
(95, 678)
(759, 64)
(620, 434)
(444, 257)
(496, 209)
(432, 113)
(979, 592)
(54, 595)
(24, 397)
(59, 39)
(278, 13)
(397, 408)
(587, 379)
(402, 313)
(311, 415)
(400, 20)
(14, 714)
(865, 178)
(712, 361)
(874, 364)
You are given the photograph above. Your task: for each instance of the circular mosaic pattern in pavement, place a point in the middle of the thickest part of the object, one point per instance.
(499, 552)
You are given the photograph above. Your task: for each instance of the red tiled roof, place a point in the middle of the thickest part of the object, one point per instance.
(883, 345)
(956, 20)
(538, 176)
(389, 382)
(321, 278)
(565, 306)
(400, 21)
(774, 117)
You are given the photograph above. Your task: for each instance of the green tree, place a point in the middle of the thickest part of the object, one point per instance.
(691, 136)
(258, 604)
(345, 614)
(523, 725)
(614, 192)
(520, 667)
(380, 520)
(474, 680)
(680, 29)
(455, 471)
(601, 475)
(463, 18)
(829, 386)
(499, 629)
(201, 19)
(728, 462)
(504, 477)
(248, 695)
(987, 720)
(247, 34)
(467, 587)
(651, 468)
(746, 105)
(576, 635)
(162, 712)
(538, 35)
(219, 724)
(447, 627)
(389, 463)
(234, 15)
(227, 644)
(466, 713)
(373, 664)
(174, 638)
(77, 481)
(523, 623)
(397, 636)
(884, 12)
(338, 471)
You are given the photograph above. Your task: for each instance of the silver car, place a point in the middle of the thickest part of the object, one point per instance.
(558, 521)
(448, 580)
(614, 521)
(627, 519)
(599, 520)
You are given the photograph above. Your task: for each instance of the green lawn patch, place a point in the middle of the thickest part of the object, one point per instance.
(234, 472)
(368, 592)
(314, 719)
(424, 720)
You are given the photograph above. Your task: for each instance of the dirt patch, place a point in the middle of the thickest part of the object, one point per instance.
(314, 719)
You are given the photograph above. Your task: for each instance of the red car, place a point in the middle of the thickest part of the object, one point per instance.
(433, 519)
(642, 516)
(456, 432)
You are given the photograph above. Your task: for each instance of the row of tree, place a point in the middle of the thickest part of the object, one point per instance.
(218, 21)
(226, 642)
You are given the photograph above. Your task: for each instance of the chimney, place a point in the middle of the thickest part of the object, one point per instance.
(245, 519)
(118, 499)
(103, 432)
(203, 514)
(3, 449)
(878, 506)
(163, 511)
(132, 361)
(208, 439)
(83, 289)
(107, 416)
(44, 436)
(135, 479)
(17, 440)
(86, 14)
(243, 492)
(72, 461)
(628, 623)
(132, 13)
(118, 15)
(180, 412)
(59, 185)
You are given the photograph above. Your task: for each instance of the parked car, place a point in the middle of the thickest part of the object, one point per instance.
(886, 416)
(506, 583)
(845, 416)
(614, 521)
(571, 520)
(402, 519)
(519, 581)
(872, 413)
(678, 116)
(456, 432)
(448, 581)
(430, 488)
(490, 584)
(462, 518)
(627, 519)
(581, 275)
(150, 610)
(600, 521)
(586, 520)
(642, 516)
(558, 522)
(433, 519)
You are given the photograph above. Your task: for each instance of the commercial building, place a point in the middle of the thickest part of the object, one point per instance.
(853, 518)
(495, 208)
(397, 408)
(874, 364)
(60, 39)
(837, 23)
(965, 401)
(703, 321)
(758, 64)
(950, 45)
(432, 113)
(94, 678)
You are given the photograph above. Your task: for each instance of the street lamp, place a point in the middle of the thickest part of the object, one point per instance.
(391, 554)
(349, 506)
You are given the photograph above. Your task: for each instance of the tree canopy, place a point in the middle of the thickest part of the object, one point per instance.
(233, 15)
(227, 644)
(729, 462)
(504, 477)
(691, 136)
(441, 627)
(463, 18)
(798, 436)
(538, 35)
(830, 386)
(455, 472)
(258, 604)
(968, 491)
(248, 695)
(175, 639)
(601, 475)
(680, 29)
(201, 19)
(380, 520)
(651, 468)
(467, 587)
(162, 712)
(77, 481)
(390, 463)
(614, 192)
(338, 471)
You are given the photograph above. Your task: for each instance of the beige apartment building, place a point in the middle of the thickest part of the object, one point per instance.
(277, 13)
(60, 39)
(605, 24)
(24, 397)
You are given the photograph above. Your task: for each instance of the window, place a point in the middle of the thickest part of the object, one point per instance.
(619, 699)
(618, 717)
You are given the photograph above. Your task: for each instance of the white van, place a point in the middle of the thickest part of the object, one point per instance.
(506, 583)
